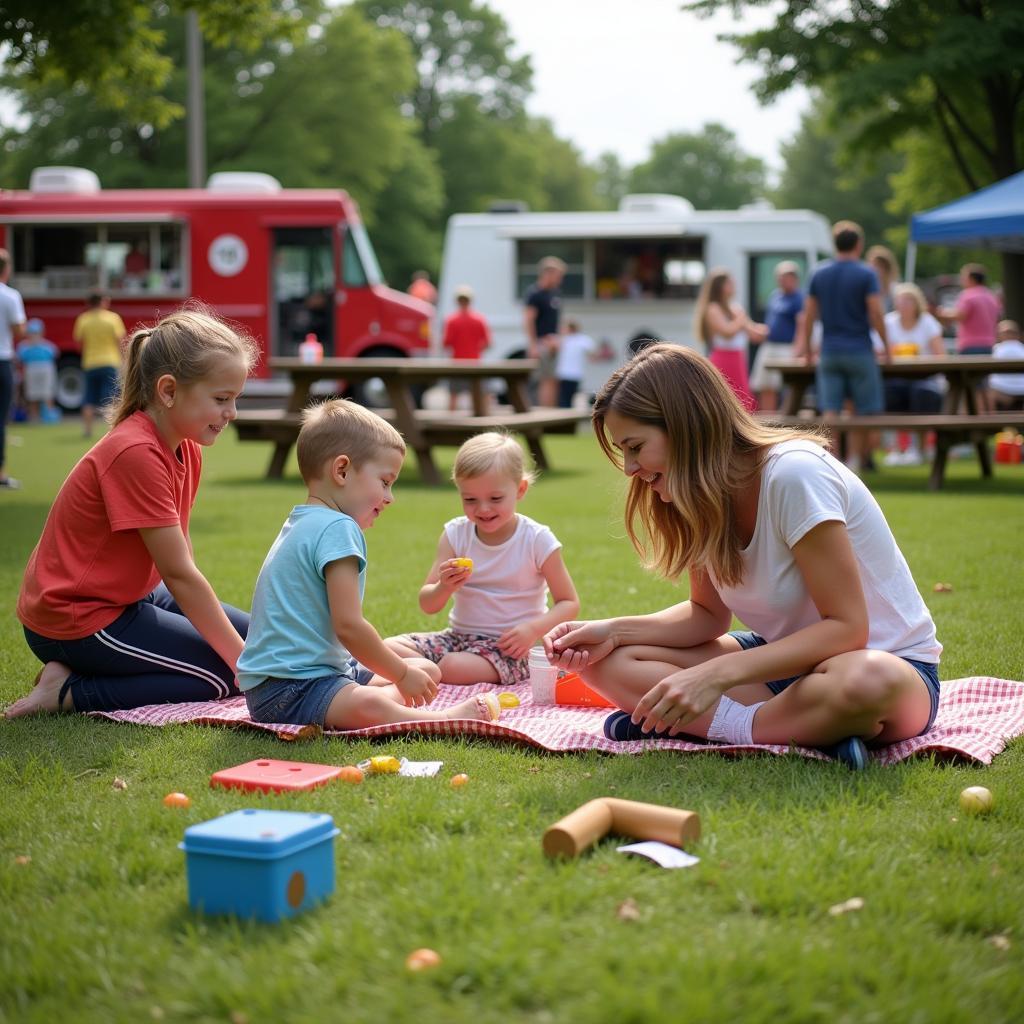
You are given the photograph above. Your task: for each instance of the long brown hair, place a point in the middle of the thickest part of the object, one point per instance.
(184, 344)
(710, 294)
(715, 449)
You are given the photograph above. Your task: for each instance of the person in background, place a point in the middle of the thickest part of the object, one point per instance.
(12, 330)
(466, 335)
(421, 288)
(543, 310)
(570, 366)
(1007, 389)
(913, 331)
(976, 315)
(725, 328)
(785, 310)
(844, 292)
(100, 332)
(38, 358)
(883, 263)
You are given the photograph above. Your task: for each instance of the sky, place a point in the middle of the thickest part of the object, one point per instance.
(618, 74)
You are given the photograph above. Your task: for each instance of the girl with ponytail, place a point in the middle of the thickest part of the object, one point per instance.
(112, 602)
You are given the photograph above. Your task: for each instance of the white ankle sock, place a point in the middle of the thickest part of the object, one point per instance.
(733, 722)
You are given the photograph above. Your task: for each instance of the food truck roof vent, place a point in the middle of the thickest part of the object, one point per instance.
(242, 181)
(654, 202)
(63, 179)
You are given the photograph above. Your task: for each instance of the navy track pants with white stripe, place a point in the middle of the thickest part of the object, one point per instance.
(150, 654)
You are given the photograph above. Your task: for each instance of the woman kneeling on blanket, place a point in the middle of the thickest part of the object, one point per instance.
(771, 528)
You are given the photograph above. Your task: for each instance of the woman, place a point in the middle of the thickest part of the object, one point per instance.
(773, 529)
(725, 328)
(913, 331)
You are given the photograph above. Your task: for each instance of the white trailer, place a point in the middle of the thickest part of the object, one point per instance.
(634, 270)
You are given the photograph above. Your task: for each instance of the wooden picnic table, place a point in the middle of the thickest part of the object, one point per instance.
(422, 429)
(960, 419)
(963, 373)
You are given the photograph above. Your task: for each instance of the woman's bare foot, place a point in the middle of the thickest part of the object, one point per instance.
(484, 707)
(45, 691)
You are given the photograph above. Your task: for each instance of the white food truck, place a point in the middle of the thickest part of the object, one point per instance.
(633, 271)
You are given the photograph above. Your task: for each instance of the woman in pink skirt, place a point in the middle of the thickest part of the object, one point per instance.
(726, 330)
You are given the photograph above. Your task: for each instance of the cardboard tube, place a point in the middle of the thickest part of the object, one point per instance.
(594, 820)
(575, 832)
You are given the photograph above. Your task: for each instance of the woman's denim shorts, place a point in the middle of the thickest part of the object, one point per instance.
(928, 672)
(301, 701)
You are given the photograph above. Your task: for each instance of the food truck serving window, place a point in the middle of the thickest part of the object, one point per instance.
(123, 259)
(618, 268)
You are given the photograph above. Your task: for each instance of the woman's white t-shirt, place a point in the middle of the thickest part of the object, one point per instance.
(506, 586)
(921, 334)
(803, 486)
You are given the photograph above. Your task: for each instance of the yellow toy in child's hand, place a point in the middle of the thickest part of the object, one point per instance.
(463, 563)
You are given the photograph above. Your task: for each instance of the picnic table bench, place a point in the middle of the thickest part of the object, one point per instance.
(421, 428)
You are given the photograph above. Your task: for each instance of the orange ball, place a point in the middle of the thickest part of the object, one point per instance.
(177, 800)
(422, 960)
(459, 780)
(350, 773)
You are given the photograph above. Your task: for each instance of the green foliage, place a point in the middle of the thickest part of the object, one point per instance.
(114, 51)
(612, 180)
(96, 927)
(707, 167)
(822, 172)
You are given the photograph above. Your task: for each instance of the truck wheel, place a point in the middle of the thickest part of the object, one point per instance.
(372, 393)
(70, 383)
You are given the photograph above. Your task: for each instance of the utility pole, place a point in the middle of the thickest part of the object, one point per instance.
(196, 102)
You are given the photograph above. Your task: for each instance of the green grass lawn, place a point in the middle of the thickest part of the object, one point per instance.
(95, 925)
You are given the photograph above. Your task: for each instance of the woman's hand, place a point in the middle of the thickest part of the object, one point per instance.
(678, 699)
(575, 645)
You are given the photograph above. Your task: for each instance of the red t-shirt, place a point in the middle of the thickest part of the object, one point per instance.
(981, 311)
(90, 563)
(466, 333)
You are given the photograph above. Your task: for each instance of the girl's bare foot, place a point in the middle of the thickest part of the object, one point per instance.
(45, 691)
(484, 707)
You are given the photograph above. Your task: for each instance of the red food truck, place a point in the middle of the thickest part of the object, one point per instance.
(283, 263)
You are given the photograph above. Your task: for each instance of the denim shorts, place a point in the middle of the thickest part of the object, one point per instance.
(853, 375)
(301, 701)
(100, 385)
(928, 672)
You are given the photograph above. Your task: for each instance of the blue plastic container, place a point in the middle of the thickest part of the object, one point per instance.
(263, 864)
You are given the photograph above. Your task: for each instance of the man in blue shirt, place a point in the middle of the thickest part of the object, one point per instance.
(844, 294)
(785, 311)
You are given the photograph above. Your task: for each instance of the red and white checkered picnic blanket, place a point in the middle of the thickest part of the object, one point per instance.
(977, 717)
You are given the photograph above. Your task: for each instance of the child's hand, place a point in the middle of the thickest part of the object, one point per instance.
(452, 575)
(416, 687)
(517, 641)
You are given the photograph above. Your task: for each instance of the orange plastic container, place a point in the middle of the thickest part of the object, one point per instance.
(570, 689)
(1008, 448)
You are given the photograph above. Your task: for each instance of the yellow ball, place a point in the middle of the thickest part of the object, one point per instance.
(976, 800)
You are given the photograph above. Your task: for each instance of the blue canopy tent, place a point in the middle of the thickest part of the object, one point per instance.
(992, 218)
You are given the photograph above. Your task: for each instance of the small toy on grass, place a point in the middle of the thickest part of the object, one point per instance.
(422, 959)
(384, 764)
(263, 864)
(269, 776)
(594, 820)
(351, 773)
(177, 800)
(976, 800)
(459, 780)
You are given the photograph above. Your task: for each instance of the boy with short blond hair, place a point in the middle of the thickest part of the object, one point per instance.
(310, 654)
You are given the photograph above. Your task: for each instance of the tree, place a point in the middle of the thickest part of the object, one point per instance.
(612, 180)
(462, 51)
(707, 167)
(323, 113)
(820, 174)
(949, 67)
(114, 50)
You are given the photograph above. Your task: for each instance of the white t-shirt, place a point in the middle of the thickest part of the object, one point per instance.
(803, 486)
(920, 335)
(1008, 383)
(12, 311)
(506, 586)
(572, 356)
(737, 343)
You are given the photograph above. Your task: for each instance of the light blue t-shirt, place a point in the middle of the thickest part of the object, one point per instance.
(842, 288)
(290, 631)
